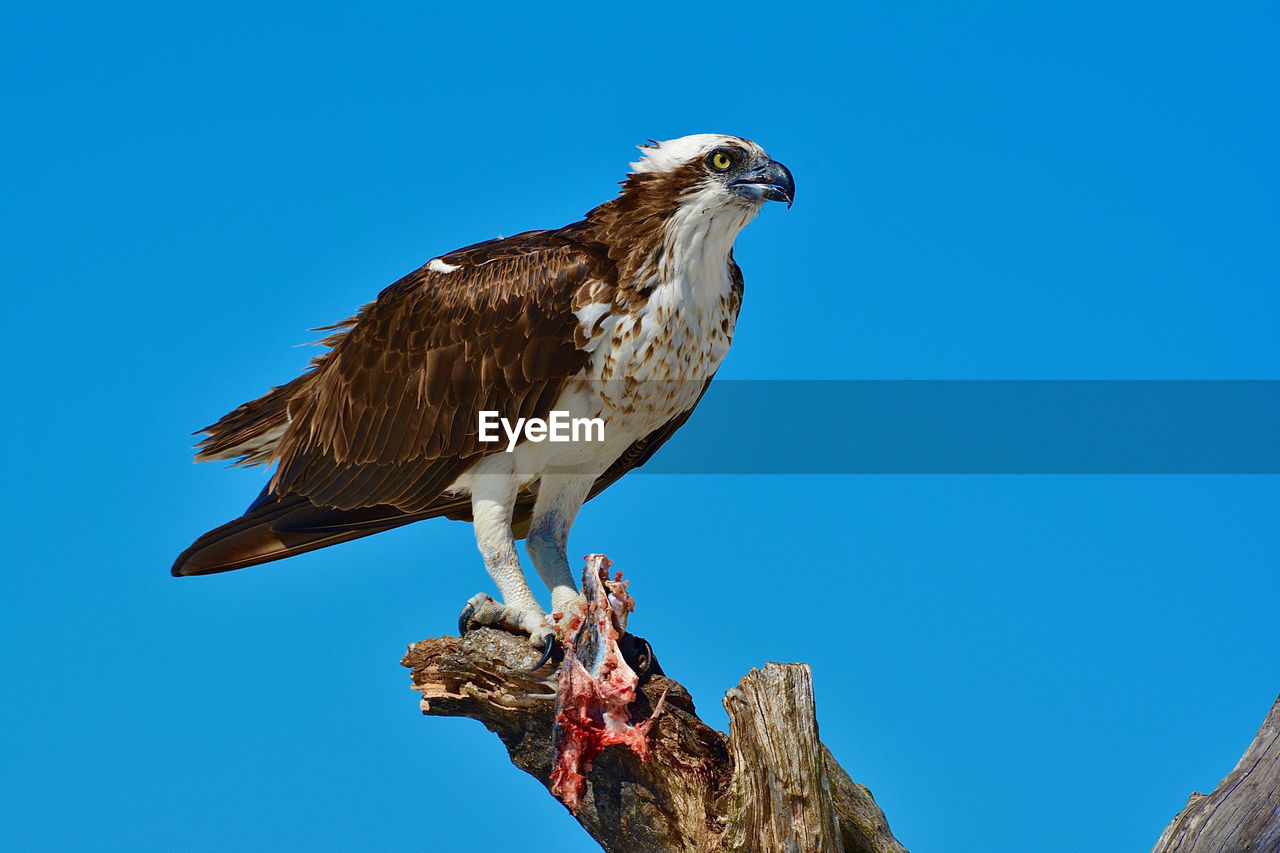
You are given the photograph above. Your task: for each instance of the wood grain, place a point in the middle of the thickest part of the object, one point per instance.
(1243, 812)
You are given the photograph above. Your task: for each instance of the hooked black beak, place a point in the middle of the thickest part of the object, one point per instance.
(770, 180)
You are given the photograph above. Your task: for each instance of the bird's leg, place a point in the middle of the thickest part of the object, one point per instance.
(560, 496)
(493, 499)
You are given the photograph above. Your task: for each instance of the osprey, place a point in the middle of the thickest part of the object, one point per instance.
(623, 317)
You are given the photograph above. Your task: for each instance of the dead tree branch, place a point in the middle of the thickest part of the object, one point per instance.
(1243, 812)
(769, 786)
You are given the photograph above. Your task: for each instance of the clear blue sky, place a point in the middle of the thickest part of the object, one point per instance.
(991, 191)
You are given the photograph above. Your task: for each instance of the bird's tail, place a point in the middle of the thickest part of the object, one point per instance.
(274, 528)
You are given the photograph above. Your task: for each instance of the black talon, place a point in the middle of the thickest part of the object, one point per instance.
(464, 618)
(547, 651)
(638, 654)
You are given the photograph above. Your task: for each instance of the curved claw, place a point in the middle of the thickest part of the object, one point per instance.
(547, 651)
(638, 653)
(464, 618)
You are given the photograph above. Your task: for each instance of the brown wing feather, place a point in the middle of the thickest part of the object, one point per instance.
(245, 434)
(390, 414)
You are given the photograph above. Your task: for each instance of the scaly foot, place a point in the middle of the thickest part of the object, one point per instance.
(484, 610)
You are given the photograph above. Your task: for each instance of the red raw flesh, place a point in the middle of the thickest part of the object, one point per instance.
(592, 712)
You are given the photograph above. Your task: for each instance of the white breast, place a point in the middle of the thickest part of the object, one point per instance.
(650, 360)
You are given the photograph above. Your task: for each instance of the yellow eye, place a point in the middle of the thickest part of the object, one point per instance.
(721, 161)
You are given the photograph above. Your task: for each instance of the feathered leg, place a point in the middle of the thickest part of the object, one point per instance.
(561, 494)
(493, 499)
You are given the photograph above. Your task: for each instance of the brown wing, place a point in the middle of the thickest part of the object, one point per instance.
(387, 419)
(391, 414)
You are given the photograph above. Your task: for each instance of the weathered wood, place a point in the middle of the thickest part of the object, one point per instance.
(781, 796)
(863, 827)
(1243, 812)
(696, 792)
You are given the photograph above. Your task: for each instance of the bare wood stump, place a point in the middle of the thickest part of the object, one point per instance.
(785, 782)
(1243, 812)
(770, 786)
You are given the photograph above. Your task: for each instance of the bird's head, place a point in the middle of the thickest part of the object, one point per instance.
(688, 198)
(713, 170)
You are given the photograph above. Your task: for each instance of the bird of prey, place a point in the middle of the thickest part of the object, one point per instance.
(623, 316)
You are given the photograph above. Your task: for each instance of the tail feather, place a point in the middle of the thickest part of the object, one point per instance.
(275, 528)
